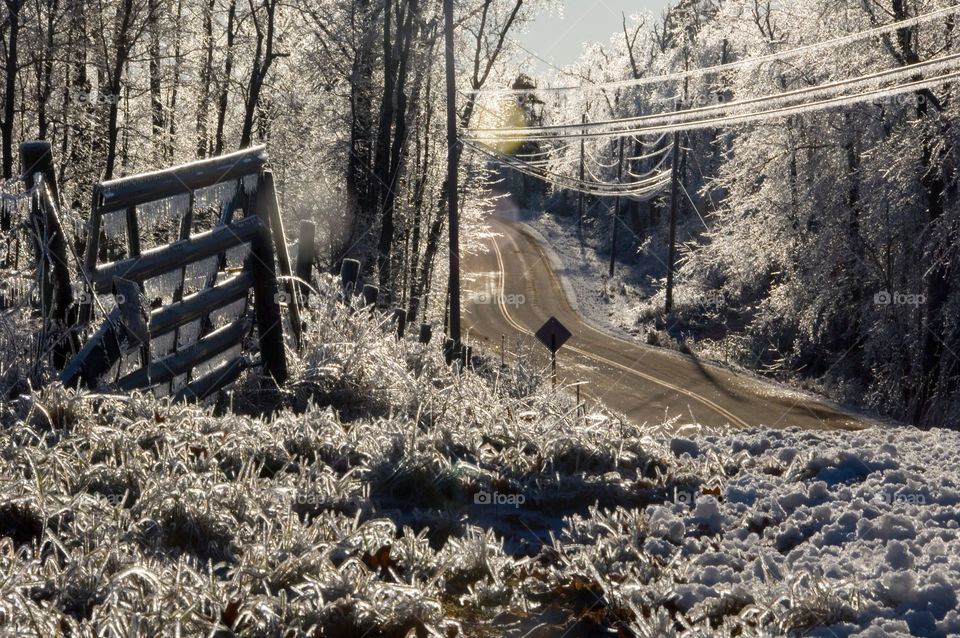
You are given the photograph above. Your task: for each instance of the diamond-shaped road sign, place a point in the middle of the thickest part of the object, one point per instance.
(553, 335)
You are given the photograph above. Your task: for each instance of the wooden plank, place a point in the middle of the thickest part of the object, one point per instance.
(200, 303)
(147, 187)
(166, 368)
(134, 314)
(97, 355)
(213, 381)
(172, 256)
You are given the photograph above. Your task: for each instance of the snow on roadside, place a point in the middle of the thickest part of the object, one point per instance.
(840, 534)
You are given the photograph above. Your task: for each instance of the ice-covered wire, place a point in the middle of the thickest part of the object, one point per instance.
(941, 64)
(652, 154)
(656, 168)
(593, 158)
(720, 68)
(548, 152)
(715, 117)
(641, 190)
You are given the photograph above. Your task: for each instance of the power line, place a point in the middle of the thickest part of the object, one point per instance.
(715, 116)
(946, 62)
(641, 190)
(771, 57)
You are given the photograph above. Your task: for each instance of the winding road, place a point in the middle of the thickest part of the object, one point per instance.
(647, 384)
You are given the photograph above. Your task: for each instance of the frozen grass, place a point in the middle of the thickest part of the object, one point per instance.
(382, 494)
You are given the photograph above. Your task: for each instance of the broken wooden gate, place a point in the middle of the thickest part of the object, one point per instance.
(170, 263)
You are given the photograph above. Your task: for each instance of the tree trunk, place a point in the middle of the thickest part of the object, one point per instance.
(121, 49)
(206, 77)
(175, 83)
(158, 127)
(10, 86)
(381, 160)
(404, 41)
(44, 67)
(225, 81)
(263, 59)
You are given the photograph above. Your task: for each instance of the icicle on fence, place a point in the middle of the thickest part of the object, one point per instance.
(16, 272)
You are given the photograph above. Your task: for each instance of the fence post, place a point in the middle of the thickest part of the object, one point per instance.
(370, 295)
(266, 290)
(36, 157)
(426, 332)
(283, 257)
(306, 253)
(349, 274)
(400, 321)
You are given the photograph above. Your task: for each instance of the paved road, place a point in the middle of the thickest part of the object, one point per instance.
(645, 383)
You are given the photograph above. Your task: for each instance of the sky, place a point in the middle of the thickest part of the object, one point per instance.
(560, 41)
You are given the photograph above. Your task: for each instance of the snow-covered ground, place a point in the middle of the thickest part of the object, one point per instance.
(862, 528)
(391, 496)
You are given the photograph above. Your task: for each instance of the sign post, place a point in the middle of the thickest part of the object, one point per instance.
(553, 335)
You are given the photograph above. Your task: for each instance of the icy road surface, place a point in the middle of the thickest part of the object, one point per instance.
(512, 289)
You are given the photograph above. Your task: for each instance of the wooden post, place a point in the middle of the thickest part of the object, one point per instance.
(35, 157)
(283, 257)
(186, 225)
(349, 274)
(306, 253)
(400, 321)
(582, 166)
(426, 332)
(265, 290)
(616, 212)
(453, 161)
(370, 295)
(90, 255)
(674, 203)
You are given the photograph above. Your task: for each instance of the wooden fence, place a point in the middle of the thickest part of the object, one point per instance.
(174, 314)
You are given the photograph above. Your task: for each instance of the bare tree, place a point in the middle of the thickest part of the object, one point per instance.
(264, 57)
(11, 68)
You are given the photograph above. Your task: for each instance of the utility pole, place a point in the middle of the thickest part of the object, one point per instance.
(616, 211)
(674, 202)
(453, 159)
(582, 152)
